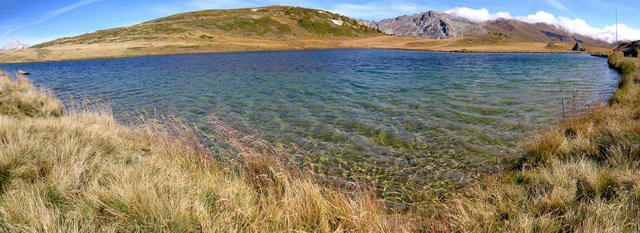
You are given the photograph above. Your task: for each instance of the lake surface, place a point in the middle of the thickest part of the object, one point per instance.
(411, 122)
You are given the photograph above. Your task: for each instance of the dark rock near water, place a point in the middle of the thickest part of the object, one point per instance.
(630, 49)
(578, 47)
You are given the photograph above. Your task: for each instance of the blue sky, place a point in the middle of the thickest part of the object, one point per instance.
(36, 21)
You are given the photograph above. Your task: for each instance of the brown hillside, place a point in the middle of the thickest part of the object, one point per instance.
(538, 32)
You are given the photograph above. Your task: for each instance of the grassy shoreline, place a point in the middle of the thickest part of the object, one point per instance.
(579, 176)
(295, 49)
(78, 170)
(115, 50)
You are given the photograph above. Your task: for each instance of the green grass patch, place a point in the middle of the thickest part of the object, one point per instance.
(247, 26)
(136, 48)
(189, 47)
(608, 186)
(206, 37)
(618, 95)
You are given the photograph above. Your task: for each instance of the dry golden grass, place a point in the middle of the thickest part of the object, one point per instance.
(21, 99)
(83, 172)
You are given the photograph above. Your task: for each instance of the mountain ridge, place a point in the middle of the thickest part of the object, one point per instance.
(434, 25)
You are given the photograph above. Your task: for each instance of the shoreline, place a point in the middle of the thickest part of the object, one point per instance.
(226, 44)
(308, 49)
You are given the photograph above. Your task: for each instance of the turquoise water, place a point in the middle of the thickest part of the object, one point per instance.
(410, 122)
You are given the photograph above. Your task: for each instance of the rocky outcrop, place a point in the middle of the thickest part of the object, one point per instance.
(429, 24)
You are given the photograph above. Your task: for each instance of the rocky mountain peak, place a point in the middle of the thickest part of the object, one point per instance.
(14, 44)
(429, 24)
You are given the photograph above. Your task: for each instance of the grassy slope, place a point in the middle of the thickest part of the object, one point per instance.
(82, 172)
(254, 29)
(538, 32)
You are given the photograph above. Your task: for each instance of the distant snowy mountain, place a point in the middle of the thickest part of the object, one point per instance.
(14, 44)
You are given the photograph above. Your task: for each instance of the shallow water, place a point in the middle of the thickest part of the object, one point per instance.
(411, 122)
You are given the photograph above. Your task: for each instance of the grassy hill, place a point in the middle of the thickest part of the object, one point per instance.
(274, 22)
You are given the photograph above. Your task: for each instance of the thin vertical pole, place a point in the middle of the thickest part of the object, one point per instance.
(616, 26)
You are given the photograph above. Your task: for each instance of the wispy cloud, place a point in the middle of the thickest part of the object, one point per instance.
(48, 15)
(557, 4)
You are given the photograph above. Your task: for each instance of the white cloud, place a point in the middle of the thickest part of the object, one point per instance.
(477, 15)
(539, 17)
(577, 26)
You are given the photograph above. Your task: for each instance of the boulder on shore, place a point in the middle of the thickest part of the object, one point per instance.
(578, 47)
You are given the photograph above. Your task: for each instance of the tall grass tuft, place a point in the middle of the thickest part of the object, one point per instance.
(19, 98)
